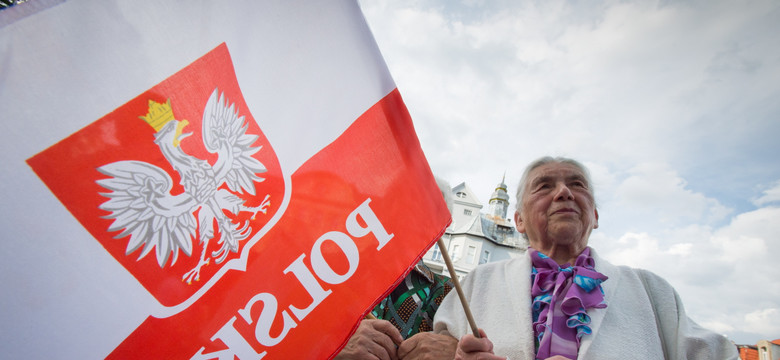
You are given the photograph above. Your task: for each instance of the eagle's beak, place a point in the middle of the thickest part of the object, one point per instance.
(179, 136)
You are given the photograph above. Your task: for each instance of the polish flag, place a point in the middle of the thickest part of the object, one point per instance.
(202, 180)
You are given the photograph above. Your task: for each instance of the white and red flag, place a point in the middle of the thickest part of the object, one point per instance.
(247, 175)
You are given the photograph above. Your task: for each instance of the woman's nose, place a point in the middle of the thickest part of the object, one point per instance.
(563, 193)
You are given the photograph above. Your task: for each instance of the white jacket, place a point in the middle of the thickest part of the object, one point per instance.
(499, 295)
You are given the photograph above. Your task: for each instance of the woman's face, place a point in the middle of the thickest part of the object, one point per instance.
(558, 207)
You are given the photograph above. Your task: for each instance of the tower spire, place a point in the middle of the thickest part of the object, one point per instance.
(499, 201)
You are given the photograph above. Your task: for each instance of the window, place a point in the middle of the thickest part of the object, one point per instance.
(460, 194)
(466, 212)
(436, 256)
(763, 353)
(455, 252)
(471, 254)
(485, 257)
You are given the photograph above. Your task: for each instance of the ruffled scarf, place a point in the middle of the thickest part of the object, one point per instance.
(560, 309)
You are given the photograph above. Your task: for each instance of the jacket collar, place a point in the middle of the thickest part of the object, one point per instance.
(522, 265)
(609, 286)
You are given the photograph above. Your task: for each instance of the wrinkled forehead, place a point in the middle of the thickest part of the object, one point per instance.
(553, 172)
(556, 172)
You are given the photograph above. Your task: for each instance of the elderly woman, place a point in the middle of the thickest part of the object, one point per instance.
(560, 300)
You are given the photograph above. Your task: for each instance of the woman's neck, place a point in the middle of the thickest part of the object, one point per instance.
(561, 254)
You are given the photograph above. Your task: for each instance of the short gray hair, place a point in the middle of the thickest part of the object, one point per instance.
(549, 160)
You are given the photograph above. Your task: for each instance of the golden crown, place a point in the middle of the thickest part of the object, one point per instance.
(159, 114)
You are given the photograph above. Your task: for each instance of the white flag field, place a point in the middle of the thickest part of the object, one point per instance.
(201, 180)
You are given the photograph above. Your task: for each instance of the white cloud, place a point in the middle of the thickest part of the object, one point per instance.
(670, 104)
(770, 195)
(741, 248)
(764, 321)
(614, 80)
(757, 224)
(725, 276)
(653, 196)
(717, 326)
(656, 186)
(683, 249)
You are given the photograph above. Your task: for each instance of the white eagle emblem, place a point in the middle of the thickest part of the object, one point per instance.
(141, 202)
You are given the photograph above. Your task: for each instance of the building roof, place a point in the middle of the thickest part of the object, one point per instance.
(481, 226)
(750, 352)
(747, 352)
(462, 194)
(473, 227)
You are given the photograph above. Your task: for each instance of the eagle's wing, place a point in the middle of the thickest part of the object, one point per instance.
(142, 206)
(224, 133)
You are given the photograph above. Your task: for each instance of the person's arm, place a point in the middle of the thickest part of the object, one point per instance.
(428, 346)
(374, 339)
(682, 337)
(698, 343)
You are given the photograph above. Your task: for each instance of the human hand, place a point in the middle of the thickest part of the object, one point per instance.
(428, 346)
(374, 339)
(471, 347)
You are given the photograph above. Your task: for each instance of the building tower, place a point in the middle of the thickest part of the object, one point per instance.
(476, 237)
(499, 201)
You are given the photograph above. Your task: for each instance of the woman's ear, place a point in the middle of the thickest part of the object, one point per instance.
(519, 224)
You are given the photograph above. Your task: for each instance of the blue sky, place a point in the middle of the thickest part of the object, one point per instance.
(672, 104)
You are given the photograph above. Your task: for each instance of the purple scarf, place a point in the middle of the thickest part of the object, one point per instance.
(560, 309)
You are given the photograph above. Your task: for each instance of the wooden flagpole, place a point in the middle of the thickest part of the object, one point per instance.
(454, 276)
(456, 283)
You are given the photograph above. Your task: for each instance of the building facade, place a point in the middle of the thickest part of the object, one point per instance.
(475, 237)
(763, 350)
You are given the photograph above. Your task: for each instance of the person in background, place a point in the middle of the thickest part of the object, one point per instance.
(404, 319)
(560, 300)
